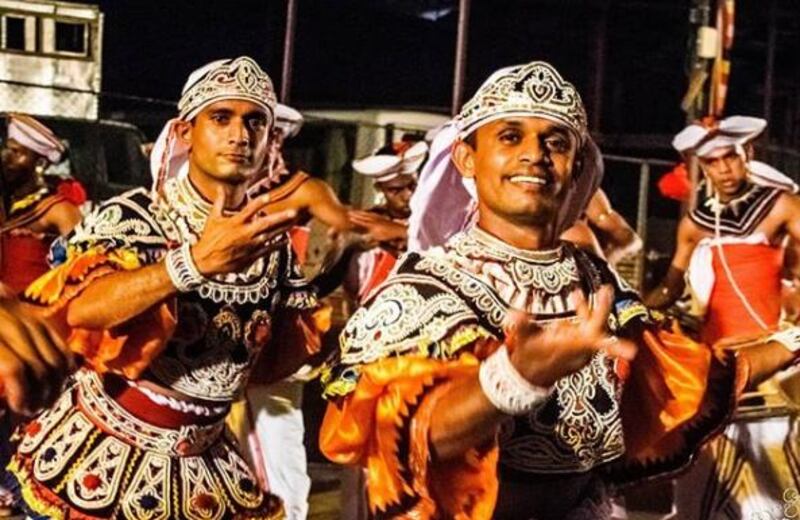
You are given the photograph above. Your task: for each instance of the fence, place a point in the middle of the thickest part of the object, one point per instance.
(630, 183)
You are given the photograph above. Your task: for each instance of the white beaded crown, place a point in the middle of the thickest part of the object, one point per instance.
(239, 78)
(535, 89)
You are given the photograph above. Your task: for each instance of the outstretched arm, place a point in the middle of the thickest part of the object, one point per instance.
(323, 204)
(671, 288)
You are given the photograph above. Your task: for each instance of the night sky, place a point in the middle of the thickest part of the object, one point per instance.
(381, 53)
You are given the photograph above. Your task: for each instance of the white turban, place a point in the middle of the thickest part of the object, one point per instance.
(33, 135)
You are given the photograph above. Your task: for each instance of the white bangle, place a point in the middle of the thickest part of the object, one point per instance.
(789, 338)
(182, 270)
(505, 387)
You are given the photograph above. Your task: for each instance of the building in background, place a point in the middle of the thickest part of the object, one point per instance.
(50, 58)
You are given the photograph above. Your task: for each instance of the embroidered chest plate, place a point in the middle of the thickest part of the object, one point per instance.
(463, 290)
(223, 325)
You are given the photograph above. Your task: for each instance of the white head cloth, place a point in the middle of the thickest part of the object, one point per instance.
(707, 140)
(36, 137)
(732, 132)
(288, 120)
(443, 203)
(288, 123)
(240, 79)
(405, 159)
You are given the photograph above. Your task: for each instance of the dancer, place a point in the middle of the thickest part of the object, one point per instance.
(171, 294)
(506, 325)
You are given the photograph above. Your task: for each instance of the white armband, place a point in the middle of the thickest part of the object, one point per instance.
(182, 270)
(505, 387)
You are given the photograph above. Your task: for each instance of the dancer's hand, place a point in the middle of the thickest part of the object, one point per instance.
(544, 354)
(34, 359)
(377, 228)
(231, 243)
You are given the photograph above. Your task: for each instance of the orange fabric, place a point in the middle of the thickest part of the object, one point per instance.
(727, 316)
(129, 348)
(674, 383)
(126, 349)
(299, 237)
(665, 387)
(365, 429)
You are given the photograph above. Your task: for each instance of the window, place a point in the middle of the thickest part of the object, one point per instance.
(15, 33)
(71, 37)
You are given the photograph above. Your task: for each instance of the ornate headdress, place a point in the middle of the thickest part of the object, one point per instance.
(444, 203)
(387, 163)
(239, 78)
(33, 135)
(535, 89)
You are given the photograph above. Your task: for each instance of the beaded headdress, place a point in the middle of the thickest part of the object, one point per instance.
(534, 89)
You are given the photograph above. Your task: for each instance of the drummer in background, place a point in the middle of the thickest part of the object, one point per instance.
(730, 251)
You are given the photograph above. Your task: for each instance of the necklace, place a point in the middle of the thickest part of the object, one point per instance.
(28, 201)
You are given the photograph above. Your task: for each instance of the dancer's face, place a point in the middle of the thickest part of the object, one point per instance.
(398, 193)
(19, 163)
(522, 168)
(228, 140)
(727, 171)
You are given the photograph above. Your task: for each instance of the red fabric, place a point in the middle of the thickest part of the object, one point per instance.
(675, 184)
(23, 259)
(73, 191)
(727, 316)
(141, 406)
(382, 266)
(299, 236)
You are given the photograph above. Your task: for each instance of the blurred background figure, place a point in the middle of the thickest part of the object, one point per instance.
(39, 207)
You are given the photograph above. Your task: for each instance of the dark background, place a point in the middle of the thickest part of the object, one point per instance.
(398, 53)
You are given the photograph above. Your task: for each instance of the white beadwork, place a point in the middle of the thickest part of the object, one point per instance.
(789, 338)
(505, 387)
(532, 89)
(182, 270)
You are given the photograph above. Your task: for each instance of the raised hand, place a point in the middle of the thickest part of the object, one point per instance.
(377, 228)
(544, 354)
(34, 359)
(231, 243)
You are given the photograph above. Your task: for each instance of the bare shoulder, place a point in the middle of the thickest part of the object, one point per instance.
(314, 190)
(788, 204)
(63, 216)
(688, 231)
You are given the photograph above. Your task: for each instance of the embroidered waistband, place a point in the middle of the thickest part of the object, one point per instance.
(188, 438)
